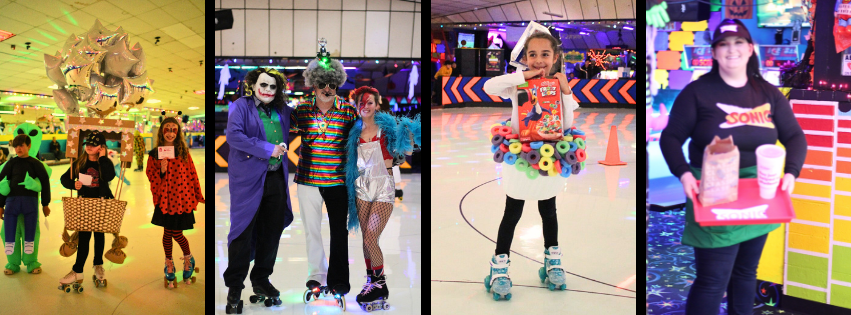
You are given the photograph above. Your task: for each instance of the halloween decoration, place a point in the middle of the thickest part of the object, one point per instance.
(740, 9)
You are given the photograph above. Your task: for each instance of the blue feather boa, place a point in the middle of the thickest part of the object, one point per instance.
(396, 133)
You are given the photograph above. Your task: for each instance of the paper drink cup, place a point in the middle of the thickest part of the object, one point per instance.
(769, 161)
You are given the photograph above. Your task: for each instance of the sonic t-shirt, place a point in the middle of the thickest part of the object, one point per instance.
(754, 114)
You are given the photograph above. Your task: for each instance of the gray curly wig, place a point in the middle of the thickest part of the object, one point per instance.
(332, 73)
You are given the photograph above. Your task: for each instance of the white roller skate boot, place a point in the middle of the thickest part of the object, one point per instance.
(498, 279)
(71, 280)
(552, 270)
(99, 277)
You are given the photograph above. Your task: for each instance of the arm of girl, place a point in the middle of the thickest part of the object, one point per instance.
(504, 86)
(66, 180)
(106, 168)
(194, 178)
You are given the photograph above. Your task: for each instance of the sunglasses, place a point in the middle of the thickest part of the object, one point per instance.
(169, 130)
(332, 86)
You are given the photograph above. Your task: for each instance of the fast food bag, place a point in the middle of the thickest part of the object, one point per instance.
(719, 182)
(539, 111)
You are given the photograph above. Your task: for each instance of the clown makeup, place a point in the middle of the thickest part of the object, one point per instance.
(366, 105)
(265, 88)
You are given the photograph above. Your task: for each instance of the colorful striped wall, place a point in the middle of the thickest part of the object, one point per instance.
(818, 249)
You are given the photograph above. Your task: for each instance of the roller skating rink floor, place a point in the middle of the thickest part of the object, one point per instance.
(135, 287)
(596, 216)
(400, 243)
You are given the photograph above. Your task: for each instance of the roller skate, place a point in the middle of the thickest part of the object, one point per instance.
(375, 294)
(313, 289)
(170, 281)
(72, 280)
(552, 272)
(98, 277)
(498, 279)
(399, 194)
(189, 268)
(234, 305)
(339, 295)
(265, 293)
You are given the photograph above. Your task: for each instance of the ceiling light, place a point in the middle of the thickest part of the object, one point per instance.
(153, 101)
(193, 108)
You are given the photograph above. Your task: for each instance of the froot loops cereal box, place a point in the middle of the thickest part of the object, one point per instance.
(540, 110)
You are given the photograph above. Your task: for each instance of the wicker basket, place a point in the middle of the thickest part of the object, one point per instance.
(101, 215)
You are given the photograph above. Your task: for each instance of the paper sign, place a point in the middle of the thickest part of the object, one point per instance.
(166, 152)
(85, 179)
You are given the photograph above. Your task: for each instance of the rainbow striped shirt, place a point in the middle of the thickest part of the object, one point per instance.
(323, 156)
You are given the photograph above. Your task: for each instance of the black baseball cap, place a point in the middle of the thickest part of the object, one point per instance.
(95, 138)
(731, 27)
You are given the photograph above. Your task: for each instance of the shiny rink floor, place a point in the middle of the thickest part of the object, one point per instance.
(400, 244)
(135, 287)
(596, 214)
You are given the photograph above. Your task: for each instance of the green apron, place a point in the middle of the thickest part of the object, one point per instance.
(721, 236)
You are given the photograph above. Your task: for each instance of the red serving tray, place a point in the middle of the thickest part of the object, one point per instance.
(750, 208)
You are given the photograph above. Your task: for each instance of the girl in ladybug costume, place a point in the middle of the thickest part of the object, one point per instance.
(176, 191)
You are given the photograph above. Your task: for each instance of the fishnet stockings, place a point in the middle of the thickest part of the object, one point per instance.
(373, 217)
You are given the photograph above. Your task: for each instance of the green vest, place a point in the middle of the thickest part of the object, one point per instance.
(721, 236)
(274, 135)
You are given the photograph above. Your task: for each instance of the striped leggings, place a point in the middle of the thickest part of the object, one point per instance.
(178, 236)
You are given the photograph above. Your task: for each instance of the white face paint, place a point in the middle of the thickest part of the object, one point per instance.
(265, 88)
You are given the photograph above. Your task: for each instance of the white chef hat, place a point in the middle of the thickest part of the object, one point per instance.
(518, 52)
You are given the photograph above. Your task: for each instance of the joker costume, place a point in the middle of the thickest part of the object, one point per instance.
(260, 205)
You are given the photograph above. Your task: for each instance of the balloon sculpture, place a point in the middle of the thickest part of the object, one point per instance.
(99, 69)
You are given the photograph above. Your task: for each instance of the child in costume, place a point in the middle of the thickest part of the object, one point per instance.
(373, 142)
(93, 162)
(174, 184)
(20, 252)
(540, 51)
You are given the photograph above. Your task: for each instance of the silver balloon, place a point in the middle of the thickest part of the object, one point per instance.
(118, 60)
(139, 68)
(77, 71)
(136, 90)
(65, 101)
(100, 35)
(70, 43)
(88, 49)
(54, 71)
(104, 97)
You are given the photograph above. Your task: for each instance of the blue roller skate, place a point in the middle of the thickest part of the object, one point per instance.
(552, 272)
(170, 281)
(498, 280)
(189, 268)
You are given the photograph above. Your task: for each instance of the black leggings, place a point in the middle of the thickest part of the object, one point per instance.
(513, 210)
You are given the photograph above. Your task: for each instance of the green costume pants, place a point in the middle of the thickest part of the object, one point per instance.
(30, 260)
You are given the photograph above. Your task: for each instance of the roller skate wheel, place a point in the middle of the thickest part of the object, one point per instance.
(386, 306)
(496, 297)
(508, 297)
(307, 295)
(342, 302)
(253, 299)
(400, 198)
(104, 283)
(67, 289)
(80, 289)
(368, 308)
(552, 286)
(268, 303)
(197, 270)
(193, 279)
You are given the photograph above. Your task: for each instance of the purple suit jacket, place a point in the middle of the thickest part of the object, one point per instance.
(248, 161)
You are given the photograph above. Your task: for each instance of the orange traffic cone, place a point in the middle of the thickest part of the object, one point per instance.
(612, 153)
